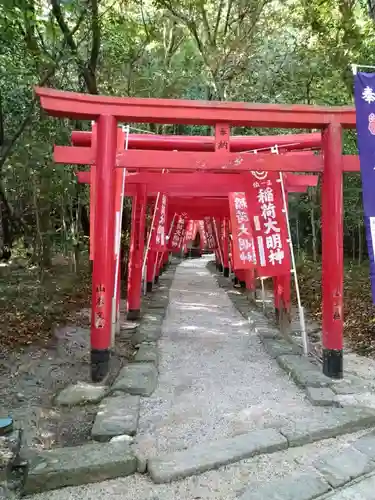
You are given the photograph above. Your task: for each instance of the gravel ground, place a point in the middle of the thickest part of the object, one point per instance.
(215, 381)
(215, 378)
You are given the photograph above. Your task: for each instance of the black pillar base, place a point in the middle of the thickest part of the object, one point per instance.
(235, 281)
(226, 272)
(156, 280)
(243, 284)
(220, 268)
(99, 364)
(149, 286)
(333, 363)
(133, 314)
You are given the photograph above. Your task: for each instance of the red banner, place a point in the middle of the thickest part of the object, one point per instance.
(158, 240)
(202, 234)
(243, 253)
(177, 235)
(210, 233)
(191, 231)
(269, 224)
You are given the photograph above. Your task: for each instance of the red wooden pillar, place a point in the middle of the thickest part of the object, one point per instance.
(217, 260)
(103, 268)
(219, 244)
(164, 257)
(165, 260)
(119, 200)
(150, 269)
(250, 279)
(276, 296)
(137, 243)
(225, 240)
(286, 292)
(222, 145)
(282, 292)
(118, 295)
(92, 195)
(242, 278)
(332, 253)
(157, 267)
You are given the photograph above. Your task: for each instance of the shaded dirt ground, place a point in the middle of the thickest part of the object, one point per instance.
(359, 312)
(31, 307)
(44, 346)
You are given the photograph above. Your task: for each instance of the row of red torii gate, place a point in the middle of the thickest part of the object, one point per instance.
(235, 187)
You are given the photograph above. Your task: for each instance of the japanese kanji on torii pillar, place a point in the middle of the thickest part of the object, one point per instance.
(105, 157)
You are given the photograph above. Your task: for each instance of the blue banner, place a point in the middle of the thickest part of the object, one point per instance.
(364, 95)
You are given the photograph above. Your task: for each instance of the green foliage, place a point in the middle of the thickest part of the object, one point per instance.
(295, 51)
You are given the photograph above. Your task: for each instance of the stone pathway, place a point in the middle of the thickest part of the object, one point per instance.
(217, 382)
(215, 378)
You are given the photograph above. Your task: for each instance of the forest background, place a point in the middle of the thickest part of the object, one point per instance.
(267, 51)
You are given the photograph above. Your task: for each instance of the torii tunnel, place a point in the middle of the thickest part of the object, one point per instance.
(223, 161)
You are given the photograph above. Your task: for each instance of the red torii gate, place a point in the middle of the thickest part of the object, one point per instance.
(182, 183)
(203, 200)
(107, 111)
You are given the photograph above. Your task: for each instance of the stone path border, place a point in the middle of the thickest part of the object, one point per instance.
(110, 454)
(208, 456)
(212, 455)
(329, 477)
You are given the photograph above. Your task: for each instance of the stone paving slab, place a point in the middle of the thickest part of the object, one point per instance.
(147, 333)
(363, 400)
(89, 463)
(212, 455)
(154, 320)
(336, 422)
(116, 416)
(278, 347)
(366, 445)
(320, 396)
(266, 332)
(303, 372)
(156, 305)
(360, 490)
(137, 379)
(81, 393)
(165, 283)
(239, 301)
(342, 468)
(147, 353)
(257, 316)
(350, 386)
(305, 486)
